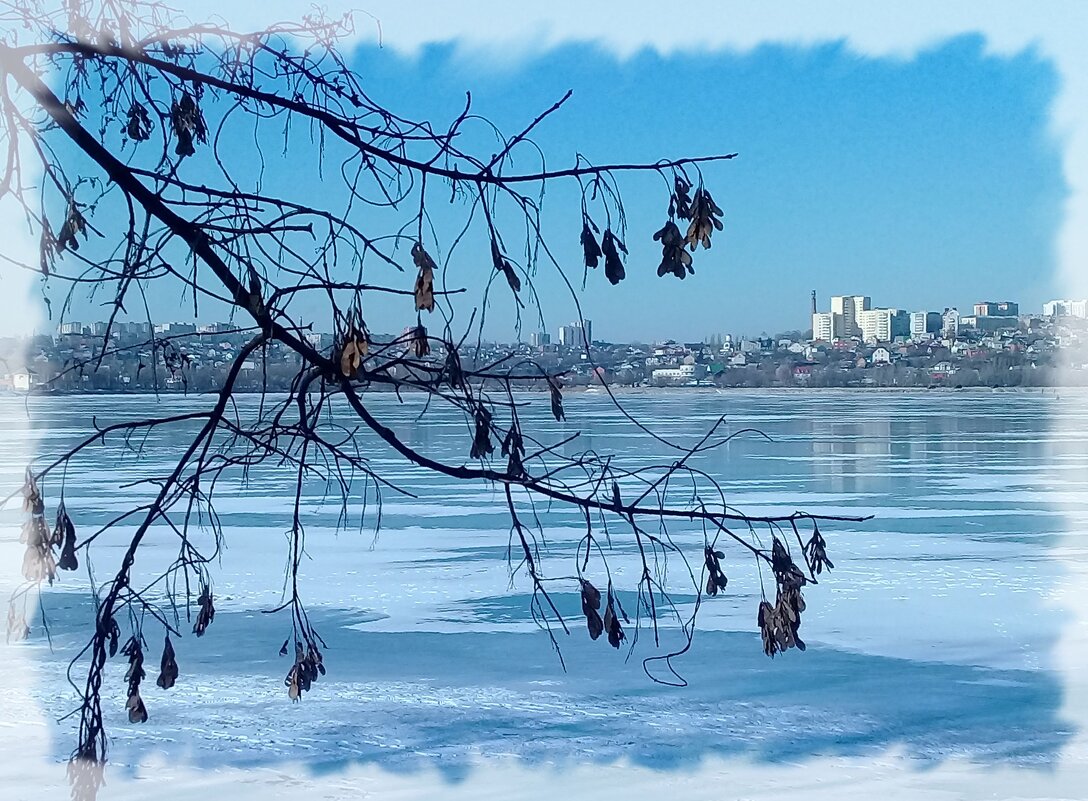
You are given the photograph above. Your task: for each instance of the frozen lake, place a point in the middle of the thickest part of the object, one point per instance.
(932, 635)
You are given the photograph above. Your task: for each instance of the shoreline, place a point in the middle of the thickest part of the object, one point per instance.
(1052, 390)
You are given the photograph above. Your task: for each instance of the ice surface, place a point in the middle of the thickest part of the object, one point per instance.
(932, 635)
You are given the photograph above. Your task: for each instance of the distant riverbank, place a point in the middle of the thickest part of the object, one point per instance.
(1053, 390)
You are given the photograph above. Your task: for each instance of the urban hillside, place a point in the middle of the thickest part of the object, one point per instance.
(853, 345)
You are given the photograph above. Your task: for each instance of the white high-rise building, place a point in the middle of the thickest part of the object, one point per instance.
(823, 326)
(924, 324)
(883, 325)
(918, 324)
(1066, 308)
(862, 303)
(875, 325)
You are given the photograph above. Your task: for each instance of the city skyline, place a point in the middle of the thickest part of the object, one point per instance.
(994, 346)
(913, 323)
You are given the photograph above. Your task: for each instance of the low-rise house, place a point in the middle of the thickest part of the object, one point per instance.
(678, 375)
(802, 372)
(23, 380)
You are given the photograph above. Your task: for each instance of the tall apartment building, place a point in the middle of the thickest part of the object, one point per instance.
(1066, 308)
(539, 339)
(990, 316)
(883, 325)
(989, 308)
(823, 326)
(923, 324)
(950, 322)
(846, 310)
(576, 334)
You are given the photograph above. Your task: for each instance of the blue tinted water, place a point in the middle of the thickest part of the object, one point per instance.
(932, 632)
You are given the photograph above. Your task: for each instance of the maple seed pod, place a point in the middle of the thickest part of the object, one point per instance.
(611, 245)
(424, 290)
(421, 345)
(680, 202)
(591, 603)
(816, 553)
(188, 123)
(557, 399)
(779, 624)
(612, 624)
(135, 653)
(137, 712)
(57, 536)
(168, 667)
(32, 497)
(114, 632)
(511, 277)
(705, 219)
(65, 532)
(674, 258)
(481, 441)
(47, 248)
(74, 224)
(716, 579)
(139, 123)
(256, 302)
(206, 614)
(68, 560)
(503, 265)
(787, 574)
(452, 371)
(291, 682)
(514, 449)
(354, 351)
(591, 251)
(765, 620)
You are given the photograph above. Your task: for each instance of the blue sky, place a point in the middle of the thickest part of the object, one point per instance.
(924, 183)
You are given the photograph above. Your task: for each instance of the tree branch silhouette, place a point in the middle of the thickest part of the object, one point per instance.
(121, 126)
